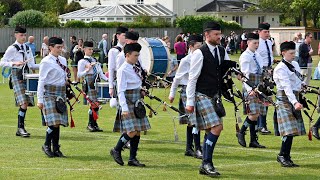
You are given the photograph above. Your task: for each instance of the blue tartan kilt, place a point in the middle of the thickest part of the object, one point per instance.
(92, 93)
(206, 117)
(182, 106)
(131, 123)
(288, 124)
(253, 105)
(51, 116)
(19, 88)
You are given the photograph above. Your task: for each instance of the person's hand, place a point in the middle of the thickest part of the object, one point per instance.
(239, 77)
(40, 105)
(252, 93)
(298, 106)
(125, 113)
(190, 109)
(88, 67)
(171, 99)
(111, 92)
(311, 51)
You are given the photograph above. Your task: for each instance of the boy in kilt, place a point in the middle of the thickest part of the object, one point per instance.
(204, 92)
(92, 74)
(19, 57)
(251, 67)
(53, 76)
(129, 92)
(290, 123)
(181, 78)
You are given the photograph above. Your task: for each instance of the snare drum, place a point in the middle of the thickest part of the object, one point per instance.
(32, 83)
(155, 55)
(103, 91)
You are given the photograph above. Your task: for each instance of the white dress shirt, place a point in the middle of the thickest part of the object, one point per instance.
(127, 79)
(248, 65)
(112, 58)
(121, 59)
(263, 51)
(82, 68)
(182, 74)
(12, 55)
(45, 50)
(196, 64)
(243, 37)
(287, 80)
(50, 73)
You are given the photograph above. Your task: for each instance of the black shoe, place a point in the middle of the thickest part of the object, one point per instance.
(255, 144)
(135, 162)
(91, 128)
(58, 153)
(22, 132)
(47, 150)
(265, 131)
(116, 156)
(315, 132)
(198, 154)
(292, 163)
(241, 139)
(283, 161)
(189, 152)
(208, 169)
(97, 128)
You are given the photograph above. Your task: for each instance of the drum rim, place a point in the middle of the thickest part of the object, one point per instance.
(31, 75)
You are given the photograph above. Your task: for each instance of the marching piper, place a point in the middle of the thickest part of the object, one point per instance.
(290, 123)
(251, 66)
(53, 76)
(129, 81)
(92, 73)
(18, 56)
(181, 78)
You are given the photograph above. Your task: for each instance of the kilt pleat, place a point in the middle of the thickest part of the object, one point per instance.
(19, 88)
(92, 93)
(51, 116)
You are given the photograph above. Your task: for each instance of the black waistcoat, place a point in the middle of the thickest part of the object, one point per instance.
(210, 79)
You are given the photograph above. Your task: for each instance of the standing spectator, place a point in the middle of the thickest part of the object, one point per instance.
(173, 68)
(243, 45)
(32, 46)
(238, 42)
(232, 42)
(45, 47)
(74, 65)
(299, 40)
(319, 49)
(305, 59)
(180, 48)
(78, 55)
(103, 46)
(166, 39)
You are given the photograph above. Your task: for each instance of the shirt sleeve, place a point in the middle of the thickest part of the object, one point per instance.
(182, 70)
(112, 55)
(284, 79)
(122, 86)
(6, 60)
(31, 61)
(195, 71)
(43, 73)
(245, 69)
(81, 69)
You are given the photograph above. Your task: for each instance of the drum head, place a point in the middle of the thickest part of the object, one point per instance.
(145, 54)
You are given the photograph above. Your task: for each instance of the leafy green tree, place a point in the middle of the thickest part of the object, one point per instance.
(73, 6)
(28, 18)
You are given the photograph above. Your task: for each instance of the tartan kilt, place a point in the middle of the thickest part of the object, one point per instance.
(288, 124)
(19, 88)
(92, 93)
(51, 116)
(206, 117)
(182, 106)
(131, 122)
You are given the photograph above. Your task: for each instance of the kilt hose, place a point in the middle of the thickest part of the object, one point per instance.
(206, 117)
(51, 115)
(131, 123)
(290, 122)
(19, 88)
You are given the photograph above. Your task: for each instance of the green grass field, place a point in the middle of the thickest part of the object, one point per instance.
(89, 158)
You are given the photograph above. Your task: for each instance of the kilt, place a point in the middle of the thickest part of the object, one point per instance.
(19, 88)
(206, 117)
(51, 116)
(182, 105)
(131, 122)
(92, 93)
(288, 124)
(253, 104)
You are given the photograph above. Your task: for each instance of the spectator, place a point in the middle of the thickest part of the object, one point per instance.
(45, 47)
(32, 45)
(166, 39)
(243, 45)
(103, 47)
(180, 48)
(74, 64)
(305, 57)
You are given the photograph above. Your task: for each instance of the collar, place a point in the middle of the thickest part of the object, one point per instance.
(287, 61)
(250, 52)
(88, 57)
(211, 47)
(53, 57)
(16, 42)
(120, 45)
(128, 64)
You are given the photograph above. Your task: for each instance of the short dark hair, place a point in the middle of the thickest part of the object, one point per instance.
(307, 34)
(74, 38)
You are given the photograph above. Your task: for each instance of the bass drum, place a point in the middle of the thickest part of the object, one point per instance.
(155, 56)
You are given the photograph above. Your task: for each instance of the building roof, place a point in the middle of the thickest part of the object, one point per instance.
(120, 10)
(227, 6)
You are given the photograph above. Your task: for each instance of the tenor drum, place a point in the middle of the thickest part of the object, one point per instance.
(32, 83)
(155, 55)
(103, 91)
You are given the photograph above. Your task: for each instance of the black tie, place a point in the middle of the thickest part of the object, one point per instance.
(269, 54)
(216, 54)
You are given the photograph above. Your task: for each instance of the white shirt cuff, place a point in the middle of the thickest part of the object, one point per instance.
(190, 102)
